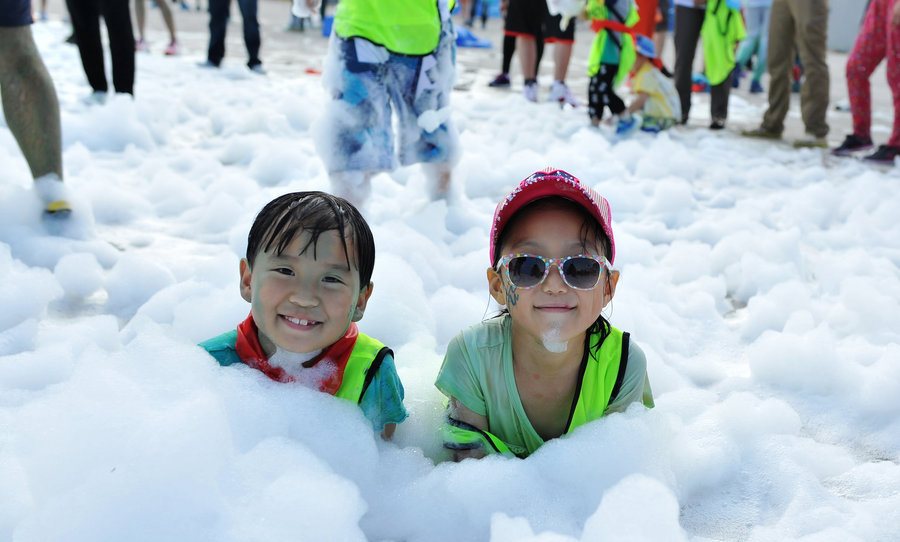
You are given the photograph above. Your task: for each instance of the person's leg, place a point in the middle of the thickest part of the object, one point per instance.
(688, 22)
(140, 15)
(509, 48)
(661, 30)
(762, 52)
(751, 40)
(812, 43)
(780, 63)
(251, 31)
(893, 71)
(867, 53)
(718, 102)
(121, 43)
(86, 23)
(166, 13)
(218, 23)
(30, 104)
(527, 56)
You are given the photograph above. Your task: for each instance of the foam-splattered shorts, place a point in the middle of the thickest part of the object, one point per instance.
(368, 84)
(15, 13)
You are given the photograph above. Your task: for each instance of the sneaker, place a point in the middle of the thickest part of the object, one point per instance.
(851, 144)
(141, 46)
(811, 141)
(761, 133)
(625, 124)
(717, 124)
(207, 64)
(559, 92)
(172, 49)
(501, 80)
(884, 155)
(258, 69)
(54, 195)
(530, 91)
(756, 87)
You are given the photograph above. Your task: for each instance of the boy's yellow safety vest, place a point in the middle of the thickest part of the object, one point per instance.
(364, 361)
(405, 27)
(601, 378)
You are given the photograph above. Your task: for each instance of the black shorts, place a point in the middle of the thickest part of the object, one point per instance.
(15, 13)
(530, 18)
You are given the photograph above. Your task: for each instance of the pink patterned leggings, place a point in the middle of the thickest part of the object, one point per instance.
(878, 38)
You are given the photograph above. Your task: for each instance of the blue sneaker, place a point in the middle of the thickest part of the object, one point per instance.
(625, 125)
(756, 87)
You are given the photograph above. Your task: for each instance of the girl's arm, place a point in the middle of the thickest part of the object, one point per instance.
(460, 412)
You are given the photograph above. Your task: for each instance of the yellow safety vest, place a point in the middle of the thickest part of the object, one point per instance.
(601, 379)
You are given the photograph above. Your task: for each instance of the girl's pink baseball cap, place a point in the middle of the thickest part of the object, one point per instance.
(546, 183)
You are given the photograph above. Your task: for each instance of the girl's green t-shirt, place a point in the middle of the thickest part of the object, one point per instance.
(478, 371)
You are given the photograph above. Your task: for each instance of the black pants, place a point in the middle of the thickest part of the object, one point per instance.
(85, 15)
(218, 21)
(688, 22)
(602, 92)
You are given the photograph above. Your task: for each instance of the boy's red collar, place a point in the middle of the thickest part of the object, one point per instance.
(251, 353)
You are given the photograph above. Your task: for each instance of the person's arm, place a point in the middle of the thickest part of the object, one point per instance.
(896, 18)
(460, 413)
(638, 102)
(382, 402)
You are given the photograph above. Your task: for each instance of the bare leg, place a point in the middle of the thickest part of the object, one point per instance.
(438, 176)
(141, 15)
(29, 102)
(562, 53)
(166, 12)
(527, 56)
(353, 186)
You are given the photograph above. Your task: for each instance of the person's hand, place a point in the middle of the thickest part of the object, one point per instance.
(896, 18)
(699, 3)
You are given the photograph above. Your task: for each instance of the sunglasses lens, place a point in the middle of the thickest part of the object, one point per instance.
(582, 273)
(526, 271)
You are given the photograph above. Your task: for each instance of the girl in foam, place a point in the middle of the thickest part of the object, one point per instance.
(550, 361)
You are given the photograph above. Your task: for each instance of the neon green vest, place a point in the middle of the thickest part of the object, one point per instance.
(601, 378)
(627, 55)
(722, 28)
(406, 27)
(364, 361)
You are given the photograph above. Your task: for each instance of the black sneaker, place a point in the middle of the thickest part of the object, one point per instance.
(851, 144)
(884, 155)
(501, 80)
(717, 124)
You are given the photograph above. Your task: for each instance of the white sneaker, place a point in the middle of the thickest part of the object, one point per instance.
(530, 91)
(559, 92)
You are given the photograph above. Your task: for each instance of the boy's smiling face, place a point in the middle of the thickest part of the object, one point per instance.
(304, 302)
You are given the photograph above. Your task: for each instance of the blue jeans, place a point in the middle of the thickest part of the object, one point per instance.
(218, 22)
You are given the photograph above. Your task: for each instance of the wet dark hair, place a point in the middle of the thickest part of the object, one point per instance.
(590, 229)
(285, 217)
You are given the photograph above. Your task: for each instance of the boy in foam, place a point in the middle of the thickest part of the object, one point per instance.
(307, 276)
(550, 361)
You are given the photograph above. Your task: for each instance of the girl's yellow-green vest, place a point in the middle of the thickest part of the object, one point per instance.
(602, 373)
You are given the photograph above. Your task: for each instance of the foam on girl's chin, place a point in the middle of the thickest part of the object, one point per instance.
(550, 339)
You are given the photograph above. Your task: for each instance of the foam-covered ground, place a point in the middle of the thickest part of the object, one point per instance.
(761, 281)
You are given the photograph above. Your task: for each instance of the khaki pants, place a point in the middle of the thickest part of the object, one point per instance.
(804, 22)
